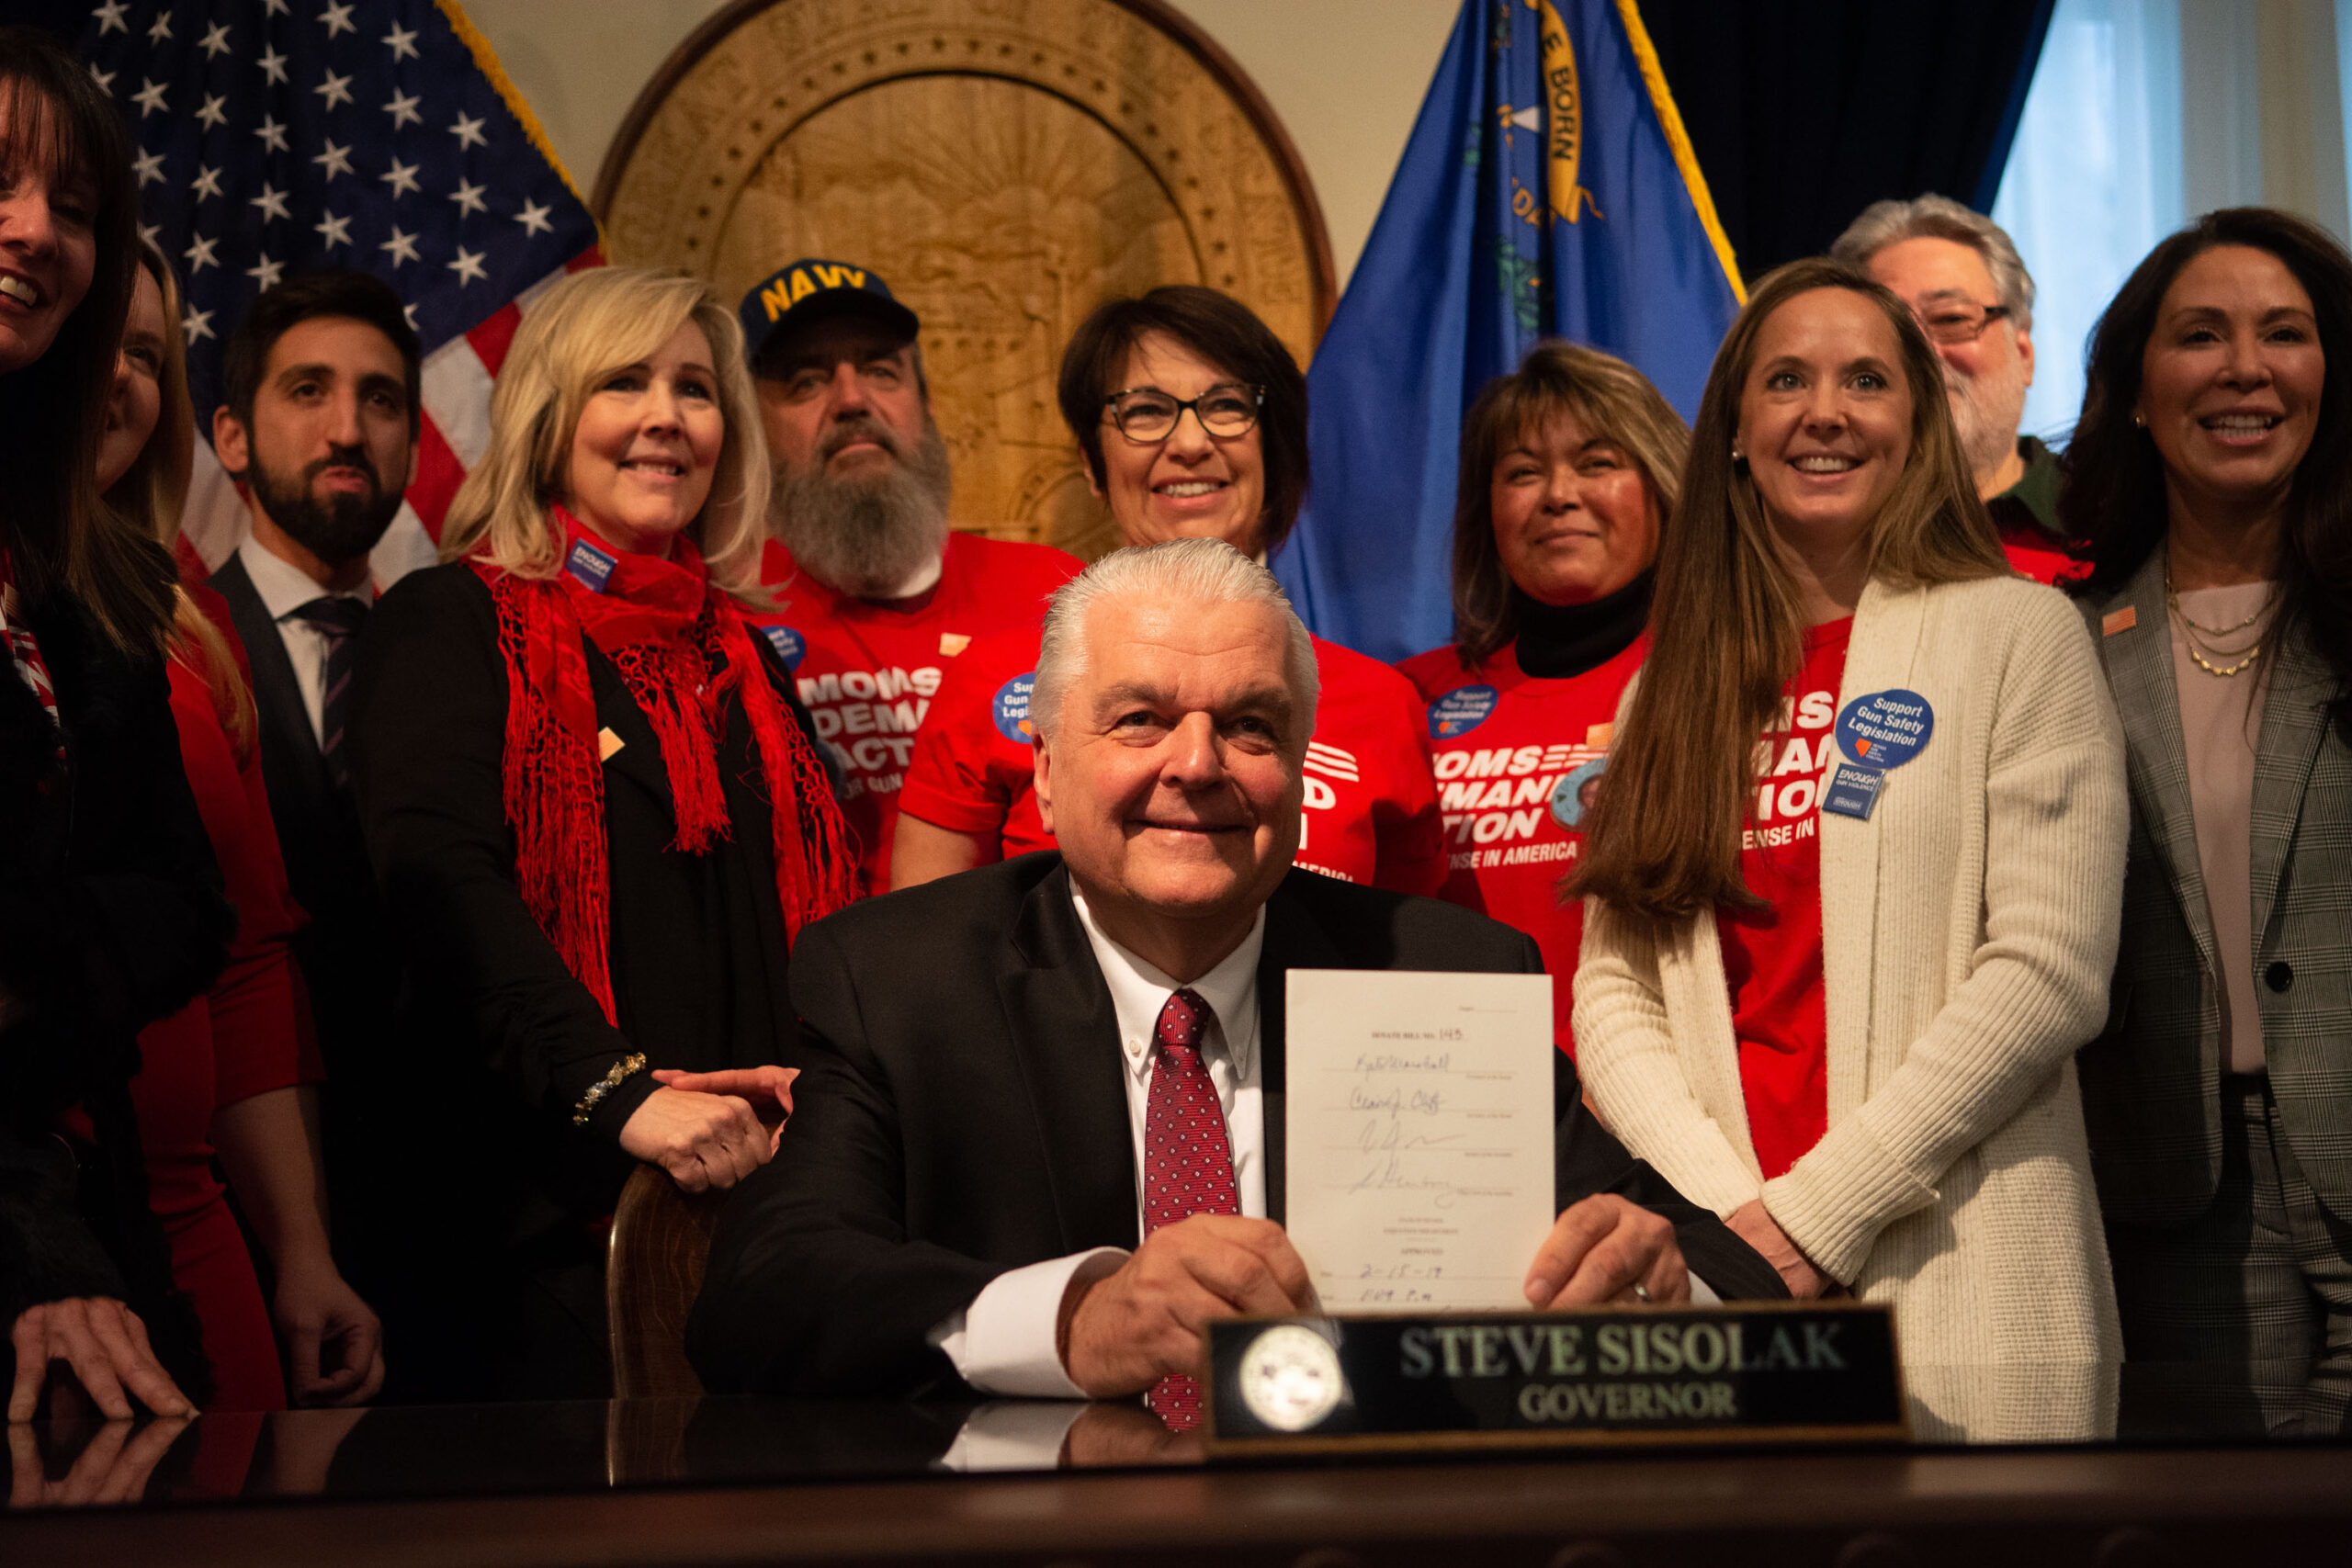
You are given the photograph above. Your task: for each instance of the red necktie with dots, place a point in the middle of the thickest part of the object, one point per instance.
(1187, 1160)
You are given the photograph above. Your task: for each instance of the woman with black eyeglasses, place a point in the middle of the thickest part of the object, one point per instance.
(1193, 418)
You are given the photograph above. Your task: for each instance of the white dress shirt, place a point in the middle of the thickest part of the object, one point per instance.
(1004, 1343)
(284, 588)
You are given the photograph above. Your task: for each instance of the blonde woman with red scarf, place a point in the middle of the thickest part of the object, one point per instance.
(598, 820)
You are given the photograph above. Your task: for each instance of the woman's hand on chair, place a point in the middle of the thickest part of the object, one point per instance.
(706, 1129)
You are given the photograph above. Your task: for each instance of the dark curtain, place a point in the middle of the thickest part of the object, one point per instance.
(1803, 112)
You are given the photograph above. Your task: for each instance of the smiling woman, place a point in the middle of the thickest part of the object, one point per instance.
(1806, 996)
(598, 819)
(2211, 473)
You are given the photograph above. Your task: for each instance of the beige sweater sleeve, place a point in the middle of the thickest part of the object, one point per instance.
(1626, 1056)
(2035, 987)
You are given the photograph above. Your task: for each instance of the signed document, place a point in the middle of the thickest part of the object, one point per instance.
(1419, 1130)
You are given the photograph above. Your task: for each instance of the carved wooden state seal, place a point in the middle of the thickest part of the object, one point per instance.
(1005, 165)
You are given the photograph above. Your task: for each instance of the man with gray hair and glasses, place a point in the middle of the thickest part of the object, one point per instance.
(991, 1061)
(1962, 276)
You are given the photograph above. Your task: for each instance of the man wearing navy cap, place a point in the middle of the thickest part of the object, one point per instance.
(878, 593)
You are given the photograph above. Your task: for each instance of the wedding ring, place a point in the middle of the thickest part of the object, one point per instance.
(1641, 1291)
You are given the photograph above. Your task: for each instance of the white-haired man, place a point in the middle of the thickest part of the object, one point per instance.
(961, 1197)
(1962, 276)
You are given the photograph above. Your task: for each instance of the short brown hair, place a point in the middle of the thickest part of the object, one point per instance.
(1226, 333)
(1726, 629)
(1612, 400)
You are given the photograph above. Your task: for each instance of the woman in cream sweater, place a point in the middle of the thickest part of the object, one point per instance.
(1856, 871)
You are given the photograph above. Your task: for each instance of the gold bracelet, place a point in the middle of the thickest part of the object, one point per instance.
(634, 1063)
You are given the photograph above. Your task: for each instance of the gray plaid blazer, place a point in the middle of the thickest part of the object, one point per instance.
(2151, 1082)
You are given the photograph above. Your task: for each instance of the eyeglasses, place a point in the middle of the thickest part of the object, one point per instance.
(1947, 321)
(1147, 414)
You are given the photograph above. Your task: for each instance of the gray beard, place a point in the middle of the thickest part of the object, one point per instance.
(865, 536)
(1986, 412)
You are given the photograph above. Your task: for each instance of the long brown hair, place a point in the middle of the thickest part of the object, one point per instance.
(1612, 400)
(60, 538)
(1726, 630)
(2112, 489)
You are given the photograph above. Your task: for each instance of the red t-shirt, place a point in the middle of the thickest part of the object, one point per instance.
(868, 671)
(1772, 956)
(2036, 555)
(1371, 809)
(1517, 758)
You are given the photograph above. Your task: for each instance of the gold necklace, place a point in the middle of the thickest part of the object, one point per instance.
(2191, 628)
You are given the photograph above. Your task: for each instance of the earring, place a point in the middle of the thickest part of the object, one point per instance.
(2139, 419)
(1737, 456)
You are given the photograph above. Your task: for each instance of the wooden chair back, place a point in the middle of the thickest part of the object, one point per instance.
(654, 1267)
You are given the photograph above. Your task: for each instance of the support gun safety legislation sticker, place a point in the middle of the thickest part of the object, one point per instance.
(1877, 731)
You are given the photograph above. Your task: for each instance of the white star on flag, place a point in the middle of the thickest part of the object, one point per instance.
(534, 218)
(468, 267)
(402, 177)
(400, 247)
(109, 17)
(265, 273)
(150, 166)
(197, 324)
(216, 40)
(275, 8)
(469, 132)
(333, 231)
(402, 41)
(409, 311)
(336, 160)
(273, 65)
(334, 89)
(150, 98)
(162, 29)
(208, 182)
(467, 196)
(272, 202)
(215, 112)
(105, 79)
(272, 134)
(151, 233)
(402, 108)
(199, 253)
(337, 19)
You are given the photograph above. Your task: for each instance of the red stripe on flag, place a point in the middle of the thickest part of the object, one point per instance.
(492, 339)
(593, 256)
(439, 475)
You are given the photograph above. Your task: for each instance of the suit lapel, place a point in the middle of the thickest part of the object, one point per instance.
(2138, 673)
(1066, 1044)
(1879, 656)
(277, 692)
(1294, 941)
(2294, 723)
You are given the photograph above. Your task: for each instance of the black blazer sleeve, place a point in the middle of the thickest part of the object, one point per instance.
(812, 1284)
(428, 734)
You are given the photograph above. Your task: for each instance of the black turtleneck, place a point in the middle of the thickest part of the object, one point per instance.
(1556, 643)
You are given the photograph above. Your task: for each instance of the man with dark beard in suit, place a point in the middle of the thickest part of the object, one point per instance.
(320, 421)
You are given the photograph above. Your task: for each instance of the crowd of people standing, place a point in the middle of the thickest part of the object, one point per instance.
(1941, 845)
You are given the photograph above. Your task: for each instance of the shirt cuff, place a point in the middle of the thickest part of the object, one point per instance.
(1703, 1294)
(1027, 1434)
(1003, 1342)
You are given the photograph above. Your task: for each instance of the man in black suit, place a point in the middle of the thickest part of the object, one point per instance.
(990, 1061)
(320, 422)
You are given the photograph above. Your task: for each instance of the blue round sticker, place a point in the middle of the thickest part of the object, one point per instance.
(789, 646)
(1885, 729)
(1011, 708)
(1572, 796)
(1461, 711)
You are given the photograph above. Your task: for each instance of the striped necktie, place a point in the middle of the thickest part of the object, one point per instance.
(338, 619)
(1187, 1159)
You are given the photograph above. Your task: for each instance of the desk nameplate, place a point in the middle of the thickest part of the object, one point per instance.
(1796, 1371)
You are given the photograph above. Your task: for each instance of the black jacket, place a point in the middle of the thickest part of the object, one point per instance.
(506, 1042)
(962, 1114)
(112, 916)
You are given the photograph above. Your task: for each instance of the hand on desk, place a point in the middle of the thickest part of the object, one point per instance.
(711, 1129)
(1600, 1249)
(113, 1468)
(106, 1344)
(1123, 1331)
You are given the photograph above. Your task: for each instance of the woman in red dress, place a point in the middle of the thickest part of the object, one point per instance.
(231, 1073)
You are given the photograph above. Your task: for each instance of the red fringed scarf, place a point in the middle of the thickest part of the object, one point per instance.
(666, 627)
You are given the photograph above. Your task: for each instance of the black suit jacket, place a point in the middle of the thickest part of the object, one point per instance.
(962, 1114)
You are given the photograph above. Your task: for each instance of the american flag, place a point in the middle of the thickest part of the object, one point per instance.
(376, 134)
